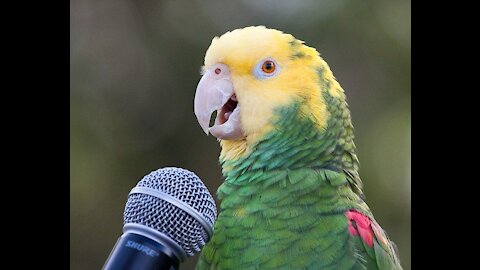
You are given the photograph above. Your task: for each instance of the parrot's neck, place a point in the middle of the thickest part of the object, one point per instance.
(297, 143)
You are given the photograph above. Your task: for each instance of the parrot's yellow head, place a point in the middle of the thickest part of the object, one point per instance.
(250, 72)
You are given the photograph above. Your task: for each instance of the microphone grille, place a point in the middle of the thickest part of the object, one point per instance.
(159, 213)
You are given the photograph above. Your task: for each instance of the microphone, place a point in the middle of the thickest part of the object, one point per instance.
(169, 215)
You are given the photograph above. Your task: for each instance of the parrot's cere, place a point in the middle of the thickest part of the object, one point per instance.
(292, 196)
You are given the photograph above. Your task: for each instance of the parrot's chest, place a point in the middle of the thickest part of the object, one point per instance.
(286, 220)
(279, 236)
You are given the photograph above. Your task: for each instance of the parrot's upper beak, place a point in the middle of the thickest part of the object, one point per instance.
(215, 92)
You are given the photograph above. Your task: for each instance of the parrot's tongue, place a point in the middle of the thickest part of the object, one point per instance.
(224, 113)
(227, 123)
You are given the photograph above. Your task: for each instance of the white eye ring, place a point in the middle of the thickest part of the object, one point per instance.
(260, 74)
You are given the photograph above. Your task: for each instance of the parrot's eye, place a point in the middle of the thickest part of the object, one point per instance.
(265, 69)
(268, 66)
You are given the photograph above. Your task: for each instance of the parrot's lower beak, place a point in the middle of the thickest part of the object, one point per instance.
(215, 92)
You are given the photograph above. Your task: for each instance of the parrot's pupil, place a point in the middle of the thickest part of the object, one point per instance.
(268, 67)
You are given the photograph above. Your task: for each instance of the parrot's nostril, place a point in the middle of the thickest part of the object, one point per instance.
(218, 71)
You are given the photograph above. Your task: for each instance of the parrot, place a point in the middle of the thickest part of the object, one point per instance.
(292, 196)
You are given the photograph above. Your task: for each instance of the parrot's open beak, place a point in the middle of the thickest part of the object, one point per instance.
(215, 92)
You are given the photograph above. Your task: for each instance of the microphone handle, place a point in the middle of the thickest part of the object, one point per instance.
(136, 252)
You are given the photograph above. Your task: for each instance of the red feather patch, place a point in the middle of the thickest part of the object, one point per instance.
(364, 226)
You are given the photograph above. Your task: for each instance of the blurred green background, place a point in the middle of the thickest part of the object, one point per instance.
(134, 67)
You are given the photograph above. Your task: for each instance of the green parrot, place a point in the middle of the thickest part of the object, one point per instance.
(292, 196)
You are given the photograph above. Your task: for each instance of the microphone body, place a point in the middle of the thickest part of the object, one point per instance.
(169, 216)
(134, 251)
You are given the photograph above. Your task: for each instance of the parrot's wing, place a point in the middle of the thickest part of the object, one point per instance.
(379, 249)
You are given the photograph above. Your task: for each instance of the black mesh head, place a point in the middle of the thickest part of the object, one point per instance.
(174, 220)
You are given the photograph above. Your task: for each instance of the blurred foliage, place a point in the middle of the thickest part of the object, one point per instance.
(134, 70)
